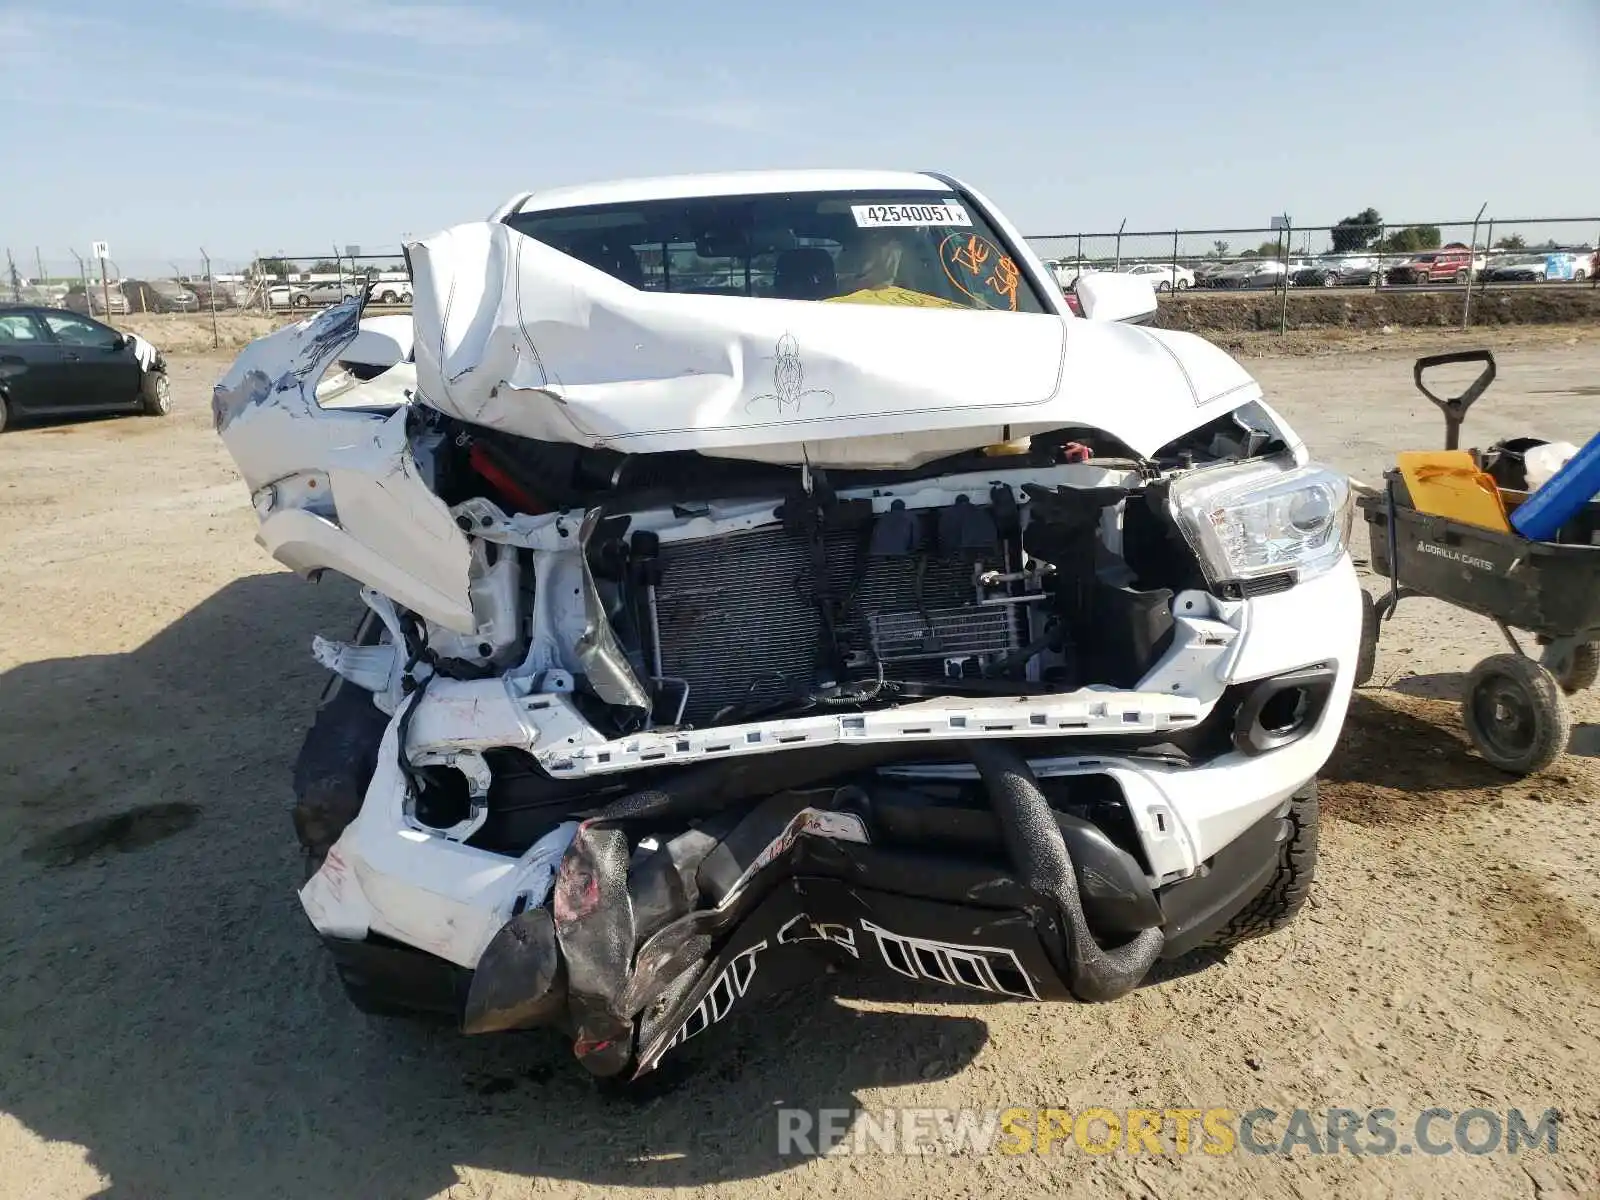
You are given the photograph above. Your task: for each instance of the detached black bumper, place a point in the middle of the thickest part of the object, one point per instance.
(1018, 898)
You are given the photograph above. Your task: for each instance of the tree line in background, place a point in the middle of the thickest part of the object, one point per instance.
(1364, 231)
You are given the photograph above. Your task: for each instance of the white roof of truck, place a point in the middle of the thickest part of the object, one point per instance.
(733, 183)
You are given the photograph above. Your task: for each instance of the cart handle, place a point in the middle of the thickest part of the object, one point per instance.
(1455, 408)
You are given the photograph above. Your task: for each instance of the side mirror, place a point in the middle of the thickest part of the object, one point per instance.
(1109, 296)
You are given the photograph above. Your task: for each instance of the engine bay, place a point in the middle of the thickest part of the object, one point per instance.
(681, 591)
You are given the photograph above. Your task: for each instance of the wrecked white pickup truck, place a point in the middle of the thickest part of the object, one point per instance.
(768, 571)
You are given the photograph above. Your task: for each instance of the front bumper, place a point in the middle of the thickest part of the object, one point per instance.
(830, 905)
(1175, 845)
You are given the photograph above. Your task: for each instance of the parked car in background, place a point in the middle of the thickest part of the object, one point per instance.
(1452, 264)
(1540, 266)
(223, 292)
(307, 295)
(332, 291)
(93, 300)
(47, 294)
(1067, 271)
(59, 363)
(1164, 277)
(1335, 270)
(1522, 268)
(1206, 273)
(1255, 274)
(287, 295)
(1568, 266)
(158, 296)
(389, 291)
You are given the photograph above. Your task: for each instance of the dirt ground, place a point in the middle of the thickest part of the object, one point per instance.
(1317, 308)
(169, 1028)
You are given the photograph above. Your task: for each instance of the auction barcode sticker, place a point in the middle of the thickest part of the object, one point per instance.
(945, 213)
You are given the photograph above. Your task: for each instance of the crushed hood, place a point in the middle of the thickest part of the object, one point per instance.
(515, 335)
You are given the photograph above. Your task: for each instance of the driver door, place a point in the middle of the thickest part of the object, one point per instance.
(98, 368)
(30, 362)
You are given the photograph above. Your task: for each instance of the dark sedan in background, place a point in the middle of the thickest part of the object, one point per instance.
(56, 363)
(1336, 273)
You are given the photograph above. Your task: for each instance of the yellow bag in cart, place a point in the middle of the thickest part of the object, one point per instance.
(1448, 483)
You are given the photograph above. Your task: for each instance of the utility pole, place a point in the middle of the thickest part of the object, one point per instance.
(16, 280)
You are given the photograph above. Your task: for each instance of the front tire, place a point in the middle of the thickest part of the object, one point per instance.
(1367, 655)
(1277, 904)
(155, 394)
(301, 301)
(5, 413)
(1163, 286)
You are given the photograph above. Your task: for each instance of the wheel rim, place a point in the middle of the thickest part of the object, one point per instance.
(163, 394)
(1505, 717)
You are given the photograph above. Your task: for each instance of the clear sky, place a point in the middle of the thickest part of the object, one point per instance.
(291, 125)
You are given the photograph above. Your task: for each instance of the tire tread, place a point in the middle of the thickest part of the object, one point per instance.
(1554, 722)
(1277, 904)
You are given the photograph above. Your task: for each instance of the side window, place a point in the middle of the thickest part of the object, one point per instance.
(76, 331)
(18, 327)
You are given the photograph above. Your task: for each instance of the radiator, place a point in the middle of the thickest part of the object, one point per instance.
(738, 622)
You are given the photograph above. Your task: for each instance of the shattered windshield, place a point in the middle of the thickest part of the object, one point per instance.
(927, 250)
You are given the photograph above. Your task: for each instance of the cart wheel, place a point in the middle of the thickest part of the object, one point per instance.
(1516, 714)
(1579, 671)
(1367, 655)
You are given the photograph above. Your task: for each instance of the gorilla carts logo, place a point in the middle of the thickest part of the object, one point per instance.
(1483, 564)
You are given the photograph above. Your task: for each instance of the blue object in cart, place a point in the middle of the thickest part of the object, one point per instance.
(1563, 495)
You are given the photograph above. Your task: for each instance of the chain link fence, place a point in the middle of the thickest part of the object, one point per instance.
(200, 283)
(1469, 256)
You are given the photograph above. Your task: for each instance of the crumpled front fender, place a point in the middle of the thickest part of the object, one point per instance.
(335, 489)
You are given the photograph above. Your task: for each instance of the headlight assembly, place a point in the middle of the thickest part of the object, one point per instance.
(1256, 520)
